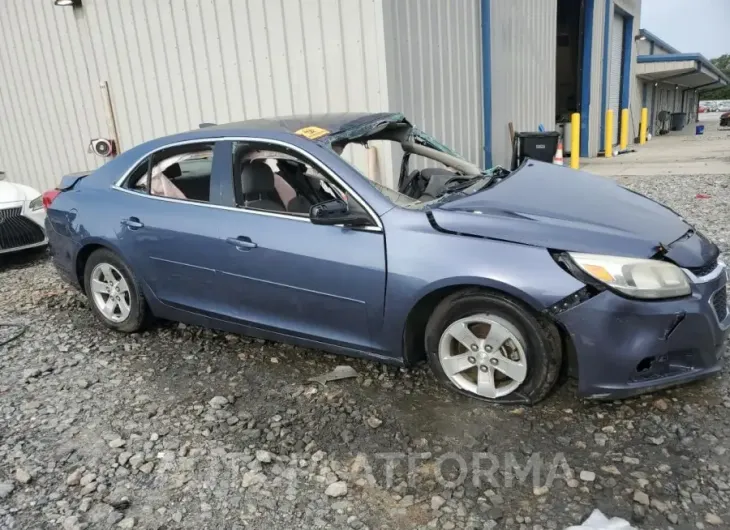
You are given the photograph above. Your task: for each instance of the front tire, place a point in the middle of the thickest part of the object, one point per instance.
(487, 346)
(115, 295)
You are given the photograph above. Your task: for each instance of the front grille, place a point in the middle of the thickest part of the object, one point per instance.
(17, 231)
(7, 213)
(706, 269)
(719, 303)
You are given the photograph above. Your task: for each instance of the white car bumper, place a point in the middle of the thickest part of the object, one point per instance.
(20, 227)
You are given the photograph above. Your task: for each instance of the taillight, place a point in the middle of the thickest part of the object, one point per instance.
(48, 197)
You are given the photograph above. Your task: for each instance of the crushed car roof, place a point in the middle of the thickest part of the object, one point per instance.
(316, 126)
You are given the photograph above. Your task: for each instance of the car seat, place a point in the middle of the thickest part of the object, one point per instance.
(258, 189)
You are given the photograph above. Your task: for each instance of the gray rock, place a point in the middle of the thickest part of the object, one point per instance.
(263, 456)
(30, 373)
(699, 498)
(713, 519)
(89, 489)
(123, 458)
(116, 443)
(437, 501)
(117, 499)
(587, 476)
(336, 489)
(6, 488)
(147, 468)
(99, 513)
(218, 402)
(71, 523)
(114, 517)
(136, 460)
(641, 497)
(374, 422)
(127, 522)
(22, 476)
(87, 479)
(85, 504)
(74, 478)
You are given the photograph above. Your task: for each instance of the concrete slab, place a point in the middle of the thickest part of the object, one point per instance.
(679, 153)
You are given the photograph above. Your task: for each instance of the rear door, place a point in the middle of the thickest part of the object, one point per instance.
(169, 229)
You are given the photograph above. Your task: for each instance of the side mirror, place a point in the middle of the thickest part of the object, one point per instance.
(336, 212)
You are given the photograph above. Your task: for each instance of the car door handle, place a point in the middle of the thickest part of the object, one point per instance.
(242, 242)
(133, 223)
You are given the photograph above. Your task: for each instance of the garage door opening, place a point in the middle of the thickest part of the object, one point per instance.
(569, 60)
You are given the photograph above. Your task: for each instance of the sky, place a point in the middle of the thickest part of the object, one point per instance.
(691, 26)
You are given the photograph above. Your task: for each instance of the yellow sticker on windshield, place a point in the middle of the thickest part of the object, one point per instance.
(312, 132)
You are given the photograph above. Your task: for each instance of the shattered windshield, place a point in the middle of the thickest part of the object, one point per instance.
(429, 173)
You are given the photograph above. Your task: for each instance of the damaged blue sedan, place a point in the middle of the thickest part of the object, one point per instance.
(501, 280)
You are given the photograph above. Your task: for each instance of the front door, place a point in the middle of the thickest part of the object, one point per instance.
(317, 282)
(283, 273)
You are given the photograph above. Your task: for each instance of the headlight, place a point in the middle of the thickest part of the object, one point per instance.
(36, 204)
(638, 278)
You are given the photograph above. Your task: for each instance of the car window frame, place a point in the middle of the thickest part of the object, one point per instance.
(222, 193)
(265, 146)
(125, 183)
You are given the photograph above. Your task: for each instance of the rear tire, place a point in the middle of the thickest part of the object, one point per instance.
(115, 295)
(503, 354)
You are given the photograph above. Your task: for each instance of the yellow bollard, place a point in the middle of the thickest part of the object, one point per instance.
(644, 125)
(575, 140)
(624, 139)
(608, 138)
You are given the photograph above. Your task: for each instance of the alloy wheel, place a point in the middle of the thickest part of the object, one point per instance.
(483, 354)
(110, 292)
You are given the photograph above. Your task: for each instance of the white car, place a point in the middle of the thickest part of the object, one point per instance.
(22, 217)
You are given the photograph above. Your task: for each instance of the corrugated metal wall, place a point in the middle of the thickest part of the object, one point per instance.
(603, 8)
(433, 49)
(172, 64)
(644, 47)
(523, 55)
(636, 103)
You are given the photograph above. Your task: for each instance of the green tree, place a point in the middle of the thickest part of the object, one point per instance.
(723, 64)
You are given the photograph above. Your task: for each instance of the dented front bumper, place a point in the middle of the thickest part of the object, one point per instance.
(624, 347)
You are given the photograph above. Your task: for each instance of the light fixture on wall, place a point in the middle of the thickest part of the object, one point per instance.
(640, 37)
(67, 3)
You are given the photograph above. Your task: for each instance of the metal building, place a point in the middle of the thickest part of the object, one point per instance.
(461, 70)
(670, 81)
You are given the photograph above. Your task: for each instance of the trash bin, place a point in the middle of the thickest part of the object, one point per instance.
(535, 145)
(700, 129)
(678, 120)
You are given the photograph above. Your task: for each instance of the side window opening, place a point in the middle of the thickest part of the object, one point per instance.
(277, 180)
(182, 172)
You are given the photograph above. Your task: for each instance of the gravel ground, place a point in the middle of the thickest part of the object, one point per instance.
(182, 427)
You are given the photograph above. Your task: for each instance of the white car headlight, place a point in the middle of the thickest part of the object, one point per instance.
(36, 204)
(638, 278)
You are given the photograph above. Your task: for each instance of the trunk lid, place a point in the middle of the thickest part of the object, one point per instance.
(556, 207)
(70, 180)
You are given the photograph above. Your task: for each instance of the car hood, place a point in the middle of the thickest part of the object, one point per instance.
(560, 208)
(11, 192)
